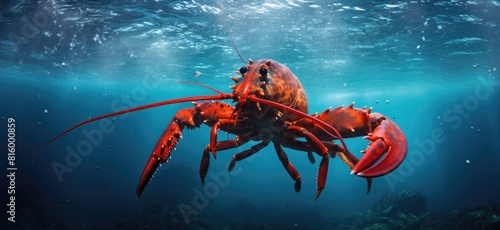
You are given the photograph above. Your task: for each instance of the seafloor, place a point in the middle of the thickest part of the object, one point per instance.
(406, 210)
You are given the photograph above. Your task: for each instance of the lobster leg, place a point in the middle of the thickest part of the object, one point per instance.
(333, 150)
(288, 166)
(306, 147)
(310, 156)
(222, 145)
(242, 127)
(244, 154)
(237, 127)
(319, 148)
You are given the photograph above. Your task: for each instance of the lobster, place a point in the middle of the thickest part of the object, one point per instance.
(272, 107)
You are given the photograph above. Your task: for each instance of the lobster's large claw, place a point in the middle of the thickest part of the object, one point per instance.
(148, 172)
(388, 138)
(160, 154)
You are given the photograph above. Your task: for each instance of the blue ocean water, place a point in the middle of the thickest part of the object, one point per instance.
(430, 66)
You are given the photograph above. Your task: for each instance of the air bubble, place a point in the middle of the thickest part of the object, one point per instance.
(45, 111)
(387, 101)
(197, 73)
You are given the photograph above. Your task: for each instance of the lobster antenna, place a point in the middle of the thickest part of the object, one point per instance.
(229, 33)
(200, 84)
(221, 96)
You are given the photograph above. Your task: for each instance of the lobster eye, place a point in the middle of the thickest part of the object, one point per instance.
(263, 74)
(243, 70)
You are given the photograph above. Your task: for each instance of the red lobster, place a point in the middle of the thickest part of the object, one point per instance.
(271, 106)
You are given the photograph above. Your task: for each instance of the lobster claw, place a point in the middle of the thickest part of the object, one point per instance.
(151, 166)
(386, 138)
(160, 154)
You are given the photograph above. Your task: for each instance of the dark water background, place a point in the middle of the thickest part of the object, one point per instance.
(432, 66)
